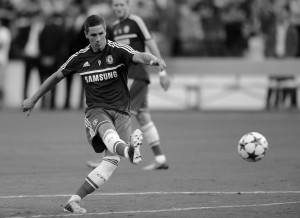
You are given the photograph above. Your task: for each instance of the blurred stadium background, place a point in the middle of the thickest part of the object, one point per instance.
(221, 54)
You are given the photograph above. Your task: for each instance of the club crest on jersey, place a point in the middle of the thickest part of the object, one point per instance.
(126, 29)
(99, 62)
(86, 64)
(95, 122)
(109, 59)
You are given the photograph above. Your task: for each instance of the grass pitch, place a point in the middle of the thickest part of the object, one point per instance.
(42, 162)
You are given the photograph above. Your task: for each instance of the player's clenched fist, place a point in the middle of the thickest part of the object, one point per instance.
(28, 105)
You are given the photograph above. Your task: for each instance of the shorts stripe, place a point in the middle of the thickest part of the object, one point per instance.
(89, 126)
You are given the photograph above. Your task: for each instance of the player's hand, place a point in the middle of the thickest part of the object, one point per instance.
(160, 63)
(28, 105)
(165, 81)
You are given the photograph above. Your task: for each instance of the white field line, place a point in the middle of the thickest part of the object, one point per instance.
(174, 209)
(154, 193)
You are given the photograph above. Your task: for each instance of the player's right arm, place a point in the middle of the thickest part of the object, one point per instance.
(29, 103)
(148, 59)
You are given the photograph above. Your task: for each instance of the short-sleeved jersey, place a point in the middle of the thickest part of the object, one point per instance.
(133, 31)
(104, 75)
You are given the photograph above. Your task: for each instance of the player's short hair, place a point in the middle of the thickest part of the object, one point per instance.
(127, 1)
(93, 20)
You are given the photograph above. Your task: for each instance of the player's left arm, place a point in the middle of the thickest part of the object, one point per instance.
(165, 81)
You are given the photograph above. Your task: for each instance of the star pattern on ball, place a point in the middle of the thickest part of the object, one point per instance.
(243, 146)
(256, 140)
(252, 156)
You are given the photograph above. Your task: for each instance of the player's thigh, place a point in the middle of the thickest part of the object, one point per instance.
(139, 96)
(143, 117)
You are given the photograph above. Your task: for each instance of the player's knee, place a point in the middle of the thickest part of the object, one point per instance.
(151, 134)
(143, 118)
(104, 128)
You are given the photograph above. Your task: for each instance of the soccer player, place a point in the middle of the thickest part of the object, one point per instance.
(102, 66)
(131, 30)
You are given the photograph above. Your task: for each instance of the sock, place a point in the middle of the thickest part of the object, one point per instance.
(113, 143)
(160, 159)
(84, 190)
(152, 137)
(98, 176)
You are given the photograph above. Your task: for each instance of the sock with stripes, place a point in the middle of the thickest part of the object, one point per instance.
(98, 176)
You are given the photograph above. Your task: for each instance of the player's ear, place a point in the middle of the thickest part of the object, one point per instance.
(86, 34)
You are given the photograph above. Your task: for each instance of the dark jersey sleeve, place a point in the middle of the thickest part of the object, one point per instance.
(71, 66)
(124, 53)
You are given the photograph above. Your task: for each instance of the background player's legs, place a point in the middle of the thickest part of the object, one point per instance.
(139, 108)
(152, 137)
(2, 68)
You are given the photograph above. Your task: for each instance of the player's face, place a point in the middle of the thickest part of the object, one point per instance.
(97, 37)
(120, 8)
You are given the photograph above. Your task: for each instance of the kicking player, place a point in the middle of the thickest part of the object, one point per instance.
(131, 30)
(103, 68)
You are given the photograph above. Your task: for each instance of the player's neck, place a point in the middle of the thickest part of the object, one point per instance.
(125, 17)
(100, 49)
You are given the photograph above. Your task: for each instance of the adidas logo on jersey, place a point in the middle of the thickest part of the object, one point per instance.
(86, 64)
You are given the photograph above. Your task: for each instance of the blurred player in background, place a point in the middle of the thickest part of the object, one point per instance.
(103, 67)
(131, 30)
(5, 42)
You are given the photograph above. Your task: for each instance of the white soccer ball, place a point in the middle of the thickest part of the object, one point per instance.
(252, 146)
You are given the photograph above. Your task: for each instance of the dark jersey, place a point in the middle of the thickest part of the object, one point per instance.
(104, 75)
(133, 31)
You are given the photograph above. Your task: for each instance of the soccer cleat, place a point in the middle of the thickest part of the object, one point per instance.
(92, 164)
(73, 205)
(135, 142)
(156, 166)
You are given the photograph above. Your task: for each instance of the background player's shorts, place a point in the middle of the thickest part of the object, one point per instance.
(139, 96)
(94, 118)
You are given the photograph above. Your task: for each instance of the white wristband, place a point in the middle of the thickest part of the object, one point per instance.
(162, 73)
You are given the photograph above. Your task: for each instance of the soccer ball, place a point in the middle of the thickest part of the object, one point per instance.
(252, 146)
